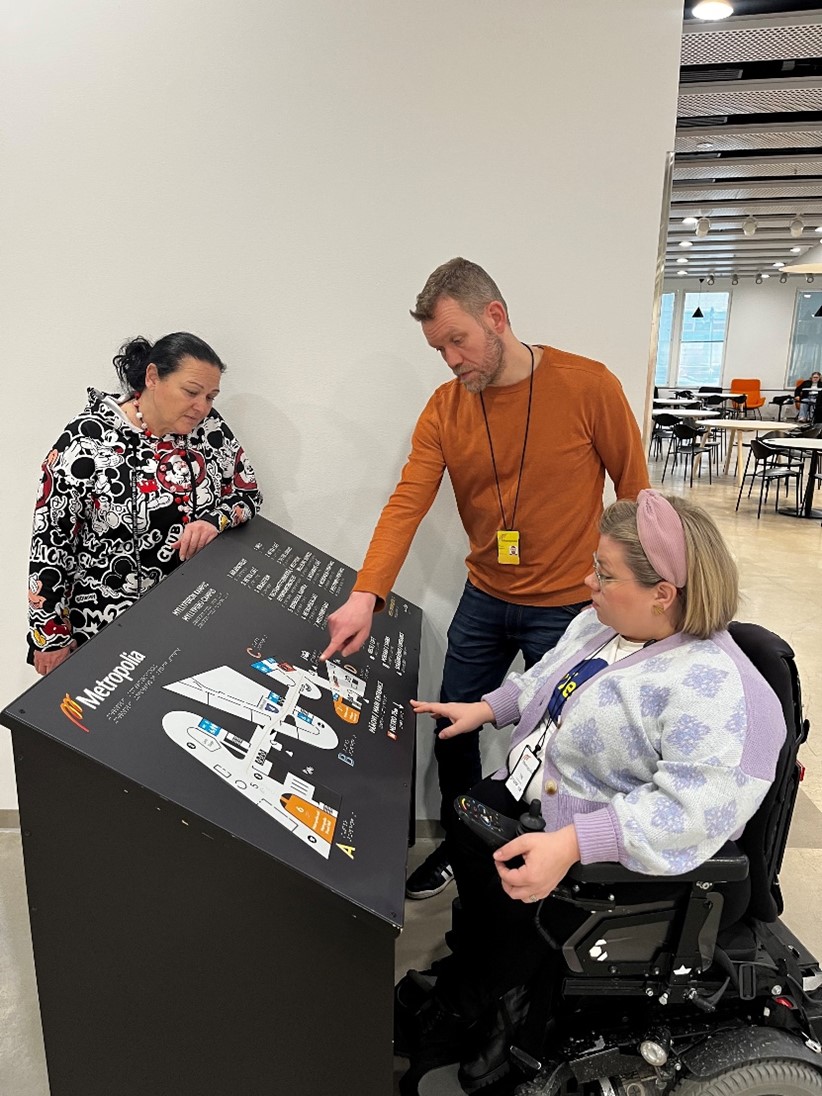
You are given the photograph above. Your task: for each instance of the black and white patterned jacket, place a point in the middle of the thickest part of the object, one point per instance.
(112, 502)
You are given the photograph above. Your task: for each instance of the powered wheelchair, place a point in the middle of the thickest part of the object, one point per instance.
(654, 997)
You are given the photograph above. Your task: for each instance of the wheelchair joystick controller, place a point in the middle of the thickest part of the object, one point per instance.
(497, 829)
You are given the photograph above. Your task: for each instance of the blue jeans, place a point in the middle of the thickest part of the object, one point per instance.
(484, 638)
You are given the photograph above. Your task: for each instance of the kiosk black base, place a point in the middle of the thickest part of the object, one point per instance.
(174, 959)
(215, 829)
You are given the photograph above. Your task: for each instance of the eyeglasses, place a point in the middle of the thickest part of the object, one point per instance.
(603, 580)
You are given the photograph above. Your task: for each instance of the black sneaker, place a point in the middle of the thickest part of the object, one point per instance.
(432, 876)
(410, 994)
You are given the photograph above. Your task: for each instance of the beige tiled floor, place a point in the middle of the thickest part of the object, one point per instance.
(780, 561)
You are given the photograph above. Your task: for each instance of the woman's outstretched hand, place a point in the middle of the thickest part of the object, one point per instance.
(464, 717)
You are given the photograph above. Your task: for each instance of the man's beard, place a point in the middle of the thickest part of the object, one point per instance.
(490, 368)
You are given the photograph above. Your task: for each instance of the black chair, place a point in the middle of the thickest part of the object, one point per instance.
(661, 431)
(739, 407)
(651, 996)
(768, 469)
(688, 443)
(780, 402)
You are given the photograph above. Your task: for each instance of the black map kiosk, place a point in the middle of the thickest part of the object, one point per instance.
(215, 831)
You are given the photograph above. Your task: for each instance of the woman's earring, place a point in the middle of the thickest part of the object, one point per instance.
(657, 609)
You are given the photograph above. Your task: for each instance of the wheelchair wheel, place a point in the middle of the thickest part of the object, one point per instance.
(771, 1077)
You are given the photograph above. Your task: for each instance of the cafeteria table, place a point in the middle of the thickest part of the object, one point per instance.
(737, 428)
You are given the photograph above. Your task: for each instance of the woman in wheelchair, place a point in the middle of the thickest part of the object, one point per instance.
(649, 740)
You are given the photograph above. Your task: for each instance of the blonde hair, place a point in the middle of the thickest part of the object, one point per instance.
(709, 599)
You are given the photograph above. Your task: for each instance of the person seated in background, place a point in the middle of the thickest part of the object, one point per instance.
(647, 736)
(134, 485)
(806, 394)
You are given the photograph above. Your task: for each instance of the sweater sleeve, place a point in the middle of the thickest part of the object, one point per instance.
(717, 761)
(508, 701)
(617, 440)
(58, 518)
(408, 505)
(240, 497)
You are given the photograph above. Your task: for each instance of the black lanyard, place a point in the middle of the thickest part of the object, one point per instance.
(505, 524)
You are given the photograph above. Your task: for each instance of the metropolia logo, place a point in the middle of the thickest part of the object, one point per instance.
(92, 697)
(73, 712)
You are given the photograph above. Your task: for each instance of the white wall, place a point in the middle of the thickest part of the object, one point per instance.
(759, 326)
(281, 178)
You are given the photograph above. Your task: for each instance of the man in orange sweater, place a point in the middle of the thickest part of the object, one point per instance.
(527, 433)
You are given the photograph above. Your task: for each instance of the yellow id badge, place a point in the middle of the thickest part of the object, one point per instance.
(508, 546)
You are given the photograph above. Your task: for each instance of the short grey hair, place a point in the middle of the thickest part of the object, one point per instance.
(464, 282)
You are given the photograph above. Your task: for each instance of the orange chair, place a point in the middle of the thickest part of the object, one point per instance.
(753, 395)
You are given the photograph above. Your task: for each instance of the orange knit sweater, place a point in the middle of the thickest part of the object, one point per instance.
(581, 426)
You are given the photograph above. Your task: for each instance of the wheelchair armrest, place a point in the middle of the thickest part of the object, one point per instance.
(728, 865)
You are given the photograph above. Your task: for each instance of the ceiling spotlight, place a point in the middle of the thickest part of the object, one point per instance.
(809, 279)
(758, 279)
(778, 265)
(685, 243)
(712, 9)
(711, 279)
(692, 221)
(682, 273)
(796, 227)
(704, 146)
(749, 226)
(795, 250)
(682, 260)
(783, 278)
(703, 226)
(735, 280)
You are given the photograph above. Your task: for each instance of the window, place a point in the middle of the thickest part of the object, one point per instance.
(702, 343)
(666, 330)
(805, 353)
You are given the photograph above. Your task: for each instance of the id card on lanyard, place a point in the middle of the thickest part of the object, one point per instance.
(529, 760)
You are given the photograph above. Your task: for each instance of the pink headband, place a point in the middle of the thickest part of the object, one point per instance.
(662, 536)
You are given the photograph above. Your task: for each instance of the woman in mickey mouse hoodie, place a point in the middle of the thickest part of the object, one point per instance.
(133, 486)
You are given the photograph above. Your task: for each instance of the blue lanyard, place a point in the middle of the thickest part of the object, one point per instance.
(566, 686)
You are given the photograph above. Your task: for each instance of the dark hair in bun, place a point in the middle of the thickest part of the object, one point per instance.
(136, 355)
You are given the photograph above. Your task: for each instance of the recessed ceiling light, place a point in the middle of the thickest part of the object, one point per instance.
(818, 229)
(682, 260)
(704, 146)
(778, 265)
(712, 9)
(807, 296)
(682, 273)
(795, 250)
(766, 275)
(685, 243)
(692, 221)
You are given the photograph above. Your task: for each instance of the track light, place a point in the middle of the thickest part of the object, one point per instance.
(758, 279)
(783, 278)
(749, 225)
(712, 10)
(735, 280)
(703, 226)
(796, 227)
(809, 279)
(711, 279)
